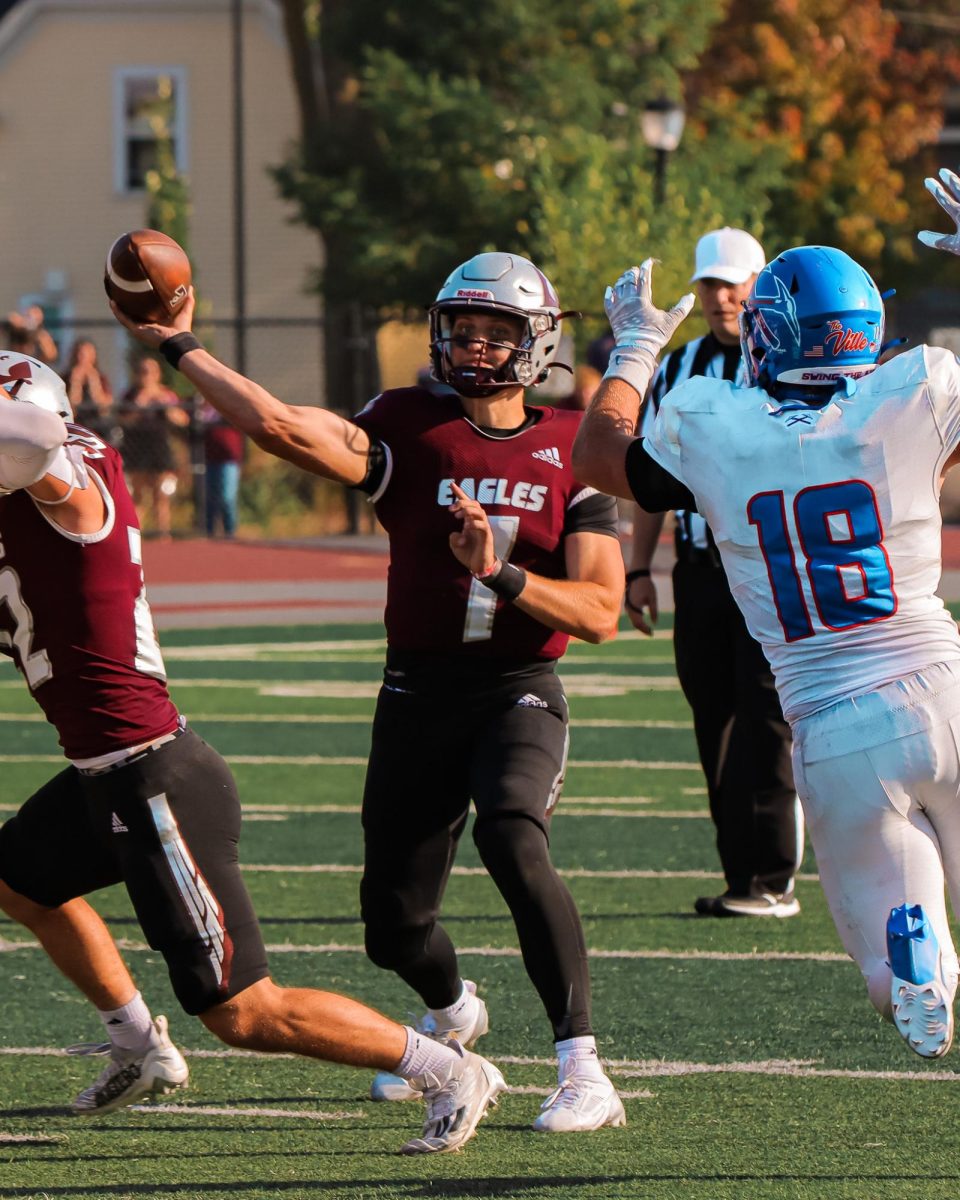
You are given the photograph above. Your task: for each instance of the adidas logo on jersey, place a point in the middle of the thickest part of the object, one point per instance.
(551, 456)
(531, 701)
(116, 825)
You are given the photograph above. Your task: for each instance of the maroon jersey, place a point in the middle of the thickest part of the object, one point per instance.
(74, 616)
(524, 483)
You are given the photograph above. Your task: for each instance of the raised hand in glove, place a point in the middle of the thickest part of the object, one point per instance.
(947, 195)
(641, 329)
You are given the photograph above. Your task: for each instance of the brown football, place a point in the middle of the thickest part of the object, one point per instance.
(148, 275)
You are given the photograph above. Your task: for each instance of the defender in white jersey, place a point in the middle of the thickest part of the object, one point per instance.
(821, 484)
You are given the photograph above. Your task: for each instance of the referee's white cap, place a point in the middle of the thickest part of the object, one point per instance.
(732, 255)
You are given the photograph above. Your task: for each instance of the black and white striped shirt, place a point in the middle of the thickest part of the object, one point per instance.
(703, 356)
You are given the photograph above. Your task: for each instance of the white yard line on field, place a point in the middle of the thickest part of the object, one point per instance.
(627, 1068)
(207, 1110)
(326, 760)
(358, 719)
(824, 956)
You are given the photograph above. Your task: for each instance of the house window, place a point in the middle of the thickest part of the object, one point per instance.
(149, 118)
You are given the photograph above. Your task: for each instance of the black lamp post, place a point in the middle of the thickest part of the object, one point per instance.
(662, 127)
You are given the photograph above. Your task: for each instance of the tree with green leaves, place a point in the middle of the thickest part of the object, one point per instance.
(423, 143)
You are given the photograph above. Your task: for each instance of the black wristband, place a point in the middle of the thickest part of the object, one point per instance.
(639, 573)
(508, 582)
(174, 348)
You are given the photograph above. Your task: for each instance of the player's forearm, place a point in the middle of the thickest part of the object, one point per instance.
(315, 439)
(582, 608)
(607, 429)
(646, 535)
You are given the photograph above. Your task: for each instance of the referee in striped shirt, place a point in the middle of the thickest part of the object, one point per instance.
(742, 738)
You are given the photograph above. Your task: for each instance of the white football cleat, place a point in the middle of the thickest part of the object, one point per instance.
(456, 1104)
(922, 1003)
(132, 1075)
(579, 1104)
(394, 1087)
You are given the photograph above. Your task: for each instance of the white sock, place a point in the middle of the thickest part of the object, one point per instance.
(578, 1056)
(423, 1055)
(455, 1015)
(129, 1027)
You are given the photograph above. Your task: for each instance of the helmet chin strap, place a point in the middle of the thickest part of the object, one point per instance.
(477, 382)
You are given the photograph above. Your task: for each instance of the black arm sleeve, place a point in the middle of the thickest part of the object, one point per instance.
(376, 468)
(591, 512)
(654, 488)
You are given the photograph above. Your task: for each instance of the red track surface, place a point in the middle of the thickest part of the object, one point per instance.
(202, 561)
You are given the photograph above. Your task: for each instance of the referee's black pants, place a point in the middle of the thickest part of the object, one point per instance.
(742, 738)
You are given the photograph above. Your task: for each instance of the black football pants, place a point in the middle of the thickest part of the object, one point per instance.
(742, 738)
(438, 743)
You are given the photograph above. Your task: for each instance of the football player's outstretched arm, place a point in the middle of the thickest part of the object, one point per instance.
(586, 604)
(315, 439)
(610, 423)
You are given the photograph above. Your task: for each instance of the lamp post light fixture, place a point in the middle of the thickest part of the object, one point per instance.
(662, 127)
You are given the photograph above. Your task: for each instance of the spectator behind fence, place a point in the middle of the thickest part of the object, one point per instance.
(148, 412)
(91, 396)
(224, 448)
(27, 334)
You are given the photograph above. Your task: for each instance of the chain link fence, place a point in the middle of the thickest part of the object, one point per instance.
(175, 450)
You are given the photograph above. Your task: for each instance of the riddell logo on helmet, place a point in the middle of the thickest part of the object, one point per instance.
(844, 339)
(474, 294)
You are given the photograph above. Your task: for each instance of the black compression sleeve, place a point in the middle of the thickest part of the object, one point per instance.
(654, 488)
(596, 513)
(376, 467)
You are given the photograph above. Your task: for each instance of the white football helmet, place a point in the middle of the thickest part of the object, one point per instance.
(497, 283)
(26, 378)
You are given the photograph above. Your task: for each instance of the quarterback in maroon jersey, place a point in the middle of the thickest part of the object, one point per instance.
(145, 802)
(497, 556)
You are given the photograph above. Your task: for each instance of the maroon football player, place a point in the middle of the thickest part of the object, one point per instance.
(498, 556)
(145, 802)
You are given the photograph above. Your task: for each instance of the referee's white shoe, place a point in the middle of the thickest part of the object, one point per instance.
(132, 1075)
(472, 1024)
(921, 1000)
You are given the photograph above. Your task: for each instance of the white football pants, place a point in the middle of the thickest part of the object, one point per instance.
(879, 779)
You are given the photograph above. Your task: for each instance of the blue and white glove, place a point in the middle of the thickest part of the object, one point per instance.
(947, 195)
(641, 329)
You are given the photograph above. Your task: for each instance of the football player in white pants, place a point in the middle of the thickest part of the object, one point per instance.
(821, 483)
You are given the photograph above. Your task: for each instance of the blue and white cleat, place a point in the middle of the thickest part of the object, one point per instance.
(922, 1003)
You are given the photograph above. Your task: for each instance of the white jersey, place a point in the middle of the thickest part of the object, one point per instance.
(827, 520)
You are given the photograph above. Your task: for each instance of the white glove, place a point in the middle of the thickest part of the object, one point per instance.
(947, 195)
(641, 329)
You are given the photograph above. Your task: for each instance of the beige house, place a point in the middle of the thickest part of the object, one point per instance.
(76, 78)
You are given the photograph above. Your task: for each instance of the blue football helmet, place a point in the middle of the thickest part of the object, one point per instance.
(814, 317)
